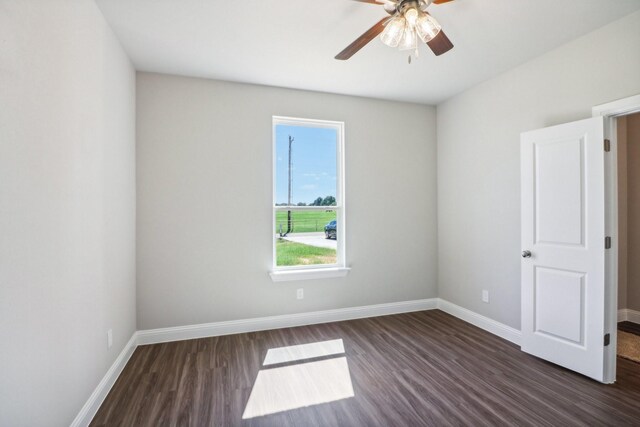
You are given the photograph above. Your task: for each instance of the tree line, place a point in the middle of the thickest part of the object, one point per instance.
(327, 201)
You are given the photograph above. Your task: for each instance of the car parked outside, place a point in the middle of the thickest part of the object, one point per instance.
(330, 230)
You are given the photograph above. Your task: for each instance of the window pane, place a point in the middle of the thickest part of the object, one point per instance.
(305, 166)
(306, 237)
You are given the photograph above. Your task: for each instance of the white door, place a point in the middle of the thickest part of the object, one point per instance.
(563, 244)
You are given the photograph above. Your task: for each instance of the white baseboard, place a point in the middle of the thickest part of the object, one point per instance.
(179, 333)
(153, 336)
(482, 322)
(622, 315)
(628, 315)
(92, 405)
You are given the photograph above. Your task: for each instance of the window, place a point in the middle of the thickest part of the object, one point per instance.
(308, 199)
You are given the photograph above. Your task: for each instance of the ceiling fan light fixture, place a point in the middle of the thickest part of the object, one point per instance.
(408, 21)
(427, 27)
(393, 31)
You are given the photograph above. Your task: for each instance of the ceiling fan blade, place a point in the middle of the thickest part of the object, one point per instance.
(361, 41)
(440, 44)
(441, 1)
(389, 5)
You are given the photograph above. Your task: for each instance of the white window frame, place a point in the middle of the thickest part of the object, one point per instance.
(302, 272)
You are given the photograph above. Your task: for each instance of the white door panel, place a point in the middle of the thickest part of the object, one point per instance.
(563, 220)
(559, 297)
(559, 202)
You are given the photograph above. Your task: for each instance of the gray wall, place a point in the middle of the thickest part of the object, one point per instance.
(479, 157)
(67, 207)
(204, 201)
(623, 212)
(633, 213)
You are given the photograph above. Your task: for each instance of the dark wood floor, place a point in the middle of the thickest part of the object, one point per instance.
(630, 327)
(418, 369)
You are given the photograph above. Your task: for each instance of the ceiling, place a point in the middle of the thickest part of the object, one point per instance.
(292, 43)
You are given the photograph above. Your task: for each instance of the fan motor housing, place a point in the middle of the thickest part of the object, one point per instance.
(403, 5)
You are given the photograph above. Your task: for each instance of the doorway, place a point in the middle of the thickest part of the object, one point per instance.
(628, 162)
(613, 114)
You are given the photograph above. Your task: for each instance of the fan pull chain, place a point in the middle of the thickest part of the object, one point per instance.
(416, 52)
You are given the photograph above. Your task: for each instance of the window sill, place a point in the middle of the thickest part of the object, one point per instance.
(308, 274)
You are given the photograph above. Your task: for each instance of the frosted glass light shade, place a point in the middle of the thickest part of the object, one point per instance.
(427, 27)
(393, 31)
(409, 40)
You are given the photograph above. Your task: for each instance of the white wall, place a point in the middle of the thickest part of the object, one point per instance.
(67, 207)
(479, 157)
(204, 201)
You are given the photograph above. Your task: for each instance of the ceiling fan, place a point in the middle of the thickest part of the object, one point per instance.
(409, 21)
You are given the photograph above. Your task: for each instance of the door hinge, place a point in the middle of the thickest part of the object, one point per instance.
(607, 339)
(607, 242)
(607, 145)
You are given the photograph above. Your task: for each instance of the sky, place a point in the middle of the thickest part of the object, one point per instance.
(313, 163)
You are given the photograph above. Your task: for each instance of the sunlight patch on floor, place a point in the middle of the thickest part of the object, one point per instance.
(297, 386)
(303, 351)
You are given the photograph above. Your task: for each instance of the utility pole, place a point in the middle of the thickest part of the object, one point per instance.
(289, 221)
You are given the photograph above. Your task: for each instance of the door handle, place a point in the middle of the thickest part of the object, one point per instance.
(526, 254)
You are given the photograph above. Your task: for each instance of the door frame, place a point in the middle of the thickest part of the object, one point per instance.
(610, 112)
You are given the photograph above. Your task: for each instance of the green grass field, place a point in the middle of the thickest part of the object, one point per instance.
(291, 253)
(305, 221)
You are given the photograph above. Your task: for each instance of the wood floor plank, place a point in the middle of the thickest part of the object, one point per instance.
(417, 369)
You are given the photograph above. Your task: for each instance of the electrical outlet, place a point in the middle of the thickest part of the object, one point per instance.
(109, 338)
(300, 293)
(485, 295)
